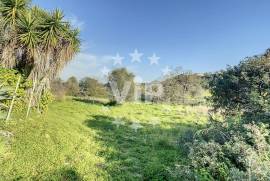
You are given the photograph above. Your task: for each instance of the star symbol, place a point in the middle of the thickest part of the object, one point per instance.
(105, 71)
(166, 71)
(118, 122)
(154, 59)
(136, 56)
(136, 126)
(118, 59)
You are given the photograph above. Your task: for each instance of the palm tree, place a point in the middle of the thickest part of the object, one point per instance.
(59, 43)
(11, 11)
(40, 43)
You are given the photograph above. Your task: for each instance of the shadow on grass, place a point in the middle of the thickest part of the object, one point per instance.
(65, 174)
(145, 154)
(97, 101)
(90, 101)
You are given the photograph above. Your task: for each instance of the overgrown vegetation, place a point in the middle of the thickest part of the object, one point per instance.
(244, 88)
(8, 82)
(183, 87)
(236, 148)
(90, 87)
(72, 87)
(87, 139)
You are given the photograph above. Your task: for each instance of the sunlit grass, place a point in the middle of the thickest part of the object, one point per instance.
(76, 140)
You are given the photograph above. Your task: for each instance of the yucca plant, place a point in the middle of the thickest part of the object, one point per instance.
(39, 44)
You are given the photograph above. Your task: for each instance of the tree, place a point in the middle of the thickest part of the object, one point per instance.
(183, 87)
(39, 43)
(72, 86)
(58, 89)
(244, 88)
(91, 87)
(121, 85)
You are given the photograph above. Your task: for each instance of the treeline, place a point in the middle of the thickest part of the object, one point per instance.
(86, 87)
(177, 88)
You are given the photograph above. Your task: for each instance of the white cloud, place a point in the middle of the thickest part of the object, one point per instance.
(75, 22)
(138, 79)
(85, 64)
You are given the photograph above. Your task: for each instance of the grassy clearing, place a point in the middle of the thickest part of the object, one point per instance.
(79, 140)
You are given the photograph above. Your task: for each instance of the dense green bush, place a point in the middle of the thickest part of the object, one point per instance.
(8, 81)
(92, 88)
(237, 148)
(58, 89)
(4, 96)
(229, 151)
(244, 88)
(72, 86)
(183, 88)
(46, 98)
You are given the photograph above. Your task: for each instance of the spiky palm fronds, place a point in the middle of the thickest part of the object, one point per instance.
(11, 10)
(52, 29)
(28, 34)
(40, 44)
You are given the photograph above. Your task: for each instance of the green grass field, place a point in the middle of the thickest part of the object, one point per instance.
(82, 140)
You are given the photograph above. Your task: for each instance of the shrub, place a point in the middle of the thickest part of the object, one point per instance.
(243, 88)
(121, 85)
(185, 140)
(183, 88)
(58, 89)
(45, 100)
(8, 81)
(72, 86)
(92, 88)
(231, 151)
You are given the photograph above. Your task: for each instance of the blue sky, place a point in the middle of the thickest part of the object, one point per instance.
(198, 35)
